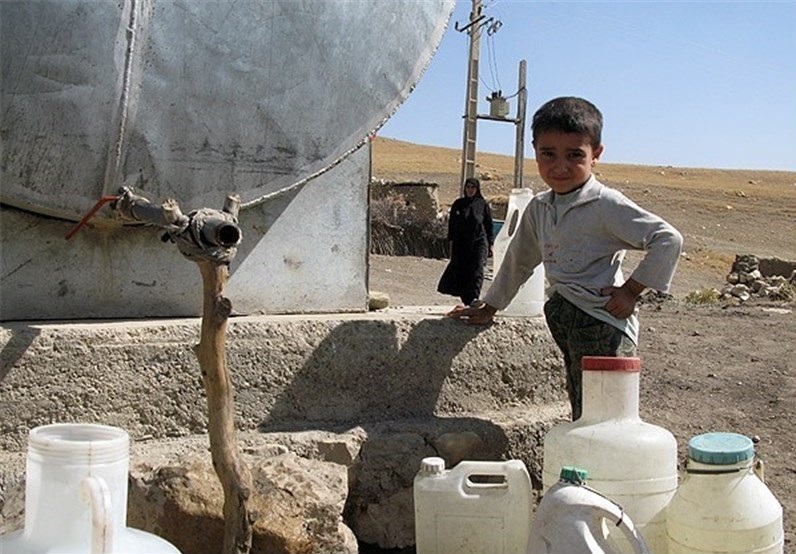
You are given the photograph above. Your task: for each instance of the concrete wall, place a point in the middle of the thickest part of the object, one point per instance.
(289, 372)
(421, 198)
(302, 252)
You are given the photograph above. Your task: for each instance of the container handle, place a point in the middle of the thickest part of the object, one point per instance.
(614, 513)
(753, 465)
(760, 469)
(512, 221)
(481, 481)
(631, 532)
(94, 490)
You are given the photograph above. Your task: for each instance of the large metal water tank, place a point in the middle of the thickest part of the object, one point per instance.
(192, 100)
(195, 99)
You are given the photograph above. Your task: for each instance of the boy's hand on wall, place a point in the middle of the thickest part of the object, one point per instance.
(473, 316)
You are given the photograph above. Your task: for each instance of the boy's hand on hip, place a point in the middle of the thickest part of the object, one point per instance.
(623, 299)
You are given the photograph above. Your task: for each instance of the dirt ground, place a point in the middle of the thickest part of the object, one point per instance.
(721, 367)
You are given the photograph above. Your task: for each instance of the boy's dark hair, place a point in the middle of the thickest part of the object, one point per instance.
(569, 114)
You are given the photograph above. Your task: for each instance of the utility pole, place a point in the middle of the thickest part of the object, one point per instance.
(519, 146)
(471, 100)
(498, 104)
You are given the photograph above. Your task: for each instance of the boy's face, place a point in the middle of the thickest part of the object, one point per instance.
(565, 160)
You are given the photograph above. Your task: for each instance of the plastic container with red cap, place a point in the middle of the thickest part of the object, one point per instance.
(630, 461)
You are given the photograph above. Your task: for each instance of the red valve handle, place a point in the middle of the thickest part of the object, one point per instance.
(104, 200)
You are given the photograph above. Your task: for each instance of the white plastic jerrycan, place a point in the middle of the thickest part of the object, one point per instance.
(572, 518)
(76, 495)
(529, 301)
(722, 505)
(473, 508)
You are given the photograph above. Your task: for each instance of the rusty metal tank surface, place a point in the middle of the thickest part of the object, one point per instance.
(194, 100)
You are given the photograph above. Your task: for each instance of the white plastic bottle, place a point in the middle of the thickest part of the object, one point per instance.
(631, 462)
(574, 518)
(473, 508)
(529, 301)
(722, 506)
(76, 495)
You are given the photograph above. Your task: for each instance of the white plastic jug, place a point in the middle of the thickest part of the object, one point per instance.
(721, 504)
(473, 508)
(573, 518)
(529, 300)
(632, 462)
(76, 495)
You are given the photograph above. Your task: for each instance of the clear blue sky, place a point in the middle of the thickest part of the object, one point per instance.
(687, 84)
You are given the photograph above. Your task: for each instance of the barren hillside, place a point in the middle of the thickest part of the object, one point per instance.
(720, 212)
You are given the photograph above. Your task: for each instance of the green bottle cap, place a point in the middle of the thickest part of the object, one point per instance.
(574, 474)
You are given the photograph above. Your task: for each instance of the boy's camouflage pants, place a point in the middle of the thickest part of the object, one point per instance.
(578, 334)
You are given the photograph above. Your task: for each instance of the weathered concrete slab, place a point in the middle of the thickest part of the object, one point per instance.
(289, 372)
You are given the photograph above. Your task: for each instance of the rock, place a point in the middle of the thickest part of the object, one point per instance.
(386, 524)
(776, 281)
(771, 267)
(298, 504)
(378, 511)
(455, 447)
(12, 514)
(757, 285)
(378, 300)
(745, 263)
(782, 292)
(750, 276)
(338, 451)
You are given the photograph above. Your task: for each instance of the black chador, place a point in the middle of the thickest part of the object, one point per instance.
(470, 236)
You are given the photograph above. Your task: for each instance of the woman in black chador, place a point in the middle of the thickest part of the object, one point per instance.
(470, 237)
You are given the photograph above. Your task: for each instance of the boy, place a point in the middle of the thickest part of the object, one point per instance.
(580, 230)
